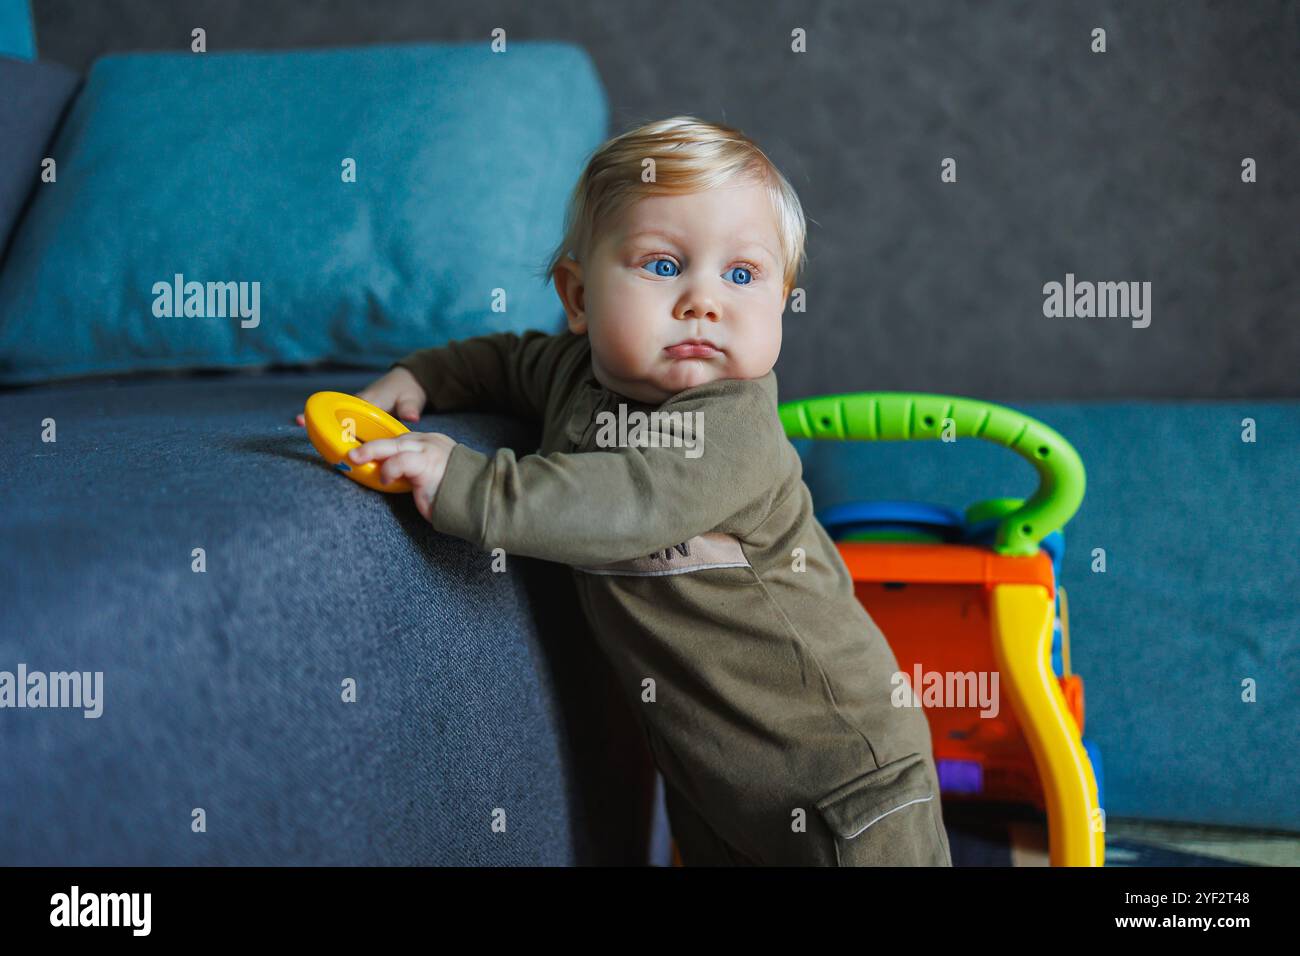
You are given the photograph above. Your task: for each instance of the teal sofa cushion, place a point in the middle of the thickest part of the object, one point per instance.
(202, 215)
(17, 38)
(35, 97)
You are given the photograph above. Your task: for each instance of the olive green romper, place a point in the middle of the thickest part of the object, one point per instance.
(762, 684)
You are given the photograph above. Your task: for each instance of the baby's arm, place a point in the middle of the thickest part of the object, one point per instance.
(603, 506)
(503, 372)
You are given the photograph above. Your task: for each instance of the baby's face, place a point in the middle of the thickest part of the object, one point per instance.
(674, 268)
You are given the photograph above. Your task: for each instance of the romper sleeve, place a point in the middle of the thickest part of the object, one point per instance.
(595, 507)
(502, 372)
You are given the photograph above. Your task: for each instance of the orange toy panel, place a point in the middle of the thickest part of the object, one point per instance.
(943, 630)
(943, 564)
(931, 602)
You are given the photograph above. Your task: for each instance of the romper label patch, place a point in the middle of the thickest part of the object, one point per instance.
(712, 550)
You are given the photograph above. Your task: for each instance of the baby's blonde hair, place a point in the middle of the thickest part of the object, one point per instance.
(689, 155)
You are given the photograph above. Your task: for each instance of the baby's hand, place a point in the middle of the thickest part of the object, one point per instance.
(397, 392)
(419, 457)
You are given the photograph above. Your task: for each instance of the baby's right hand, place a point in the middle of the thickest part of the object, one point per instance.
(397, 392)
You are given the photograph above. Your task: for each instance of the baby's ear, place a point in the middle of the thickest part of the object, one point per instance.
(567, 278)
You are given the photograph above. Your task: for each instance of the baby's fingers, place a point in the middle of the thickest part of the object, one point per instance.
(369, 451)
(383, 448)
(404, 465)
(408, 408)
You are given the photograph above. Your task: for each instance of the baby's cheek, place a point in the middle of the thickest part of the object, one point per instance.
(759, 353)
(625, 347)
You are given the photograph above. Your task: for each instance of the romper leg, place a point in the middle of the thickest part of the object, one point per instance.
(888, 816)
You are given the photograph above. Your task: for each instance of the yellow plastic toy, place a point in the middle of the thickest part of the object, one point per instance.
(338, 422)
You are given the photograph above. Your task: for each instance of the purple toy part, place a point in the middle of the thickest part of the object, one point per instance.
(960, 776)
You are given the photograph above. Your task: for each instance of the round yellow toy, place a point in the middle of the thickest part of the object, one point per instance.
(338, 422)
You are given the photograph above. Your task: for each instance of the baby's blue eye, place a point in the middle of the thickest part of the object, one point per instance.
(661, 267)
(743, 278)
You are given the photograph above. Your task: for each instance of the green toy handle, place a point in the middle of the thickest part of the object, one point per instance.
(914, 416)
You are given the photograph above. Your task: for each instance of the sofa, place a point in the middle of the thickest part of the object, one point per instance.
(297, 670)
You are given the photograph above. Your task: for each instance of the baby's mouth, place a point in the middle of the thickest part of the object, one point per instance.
(693, 348)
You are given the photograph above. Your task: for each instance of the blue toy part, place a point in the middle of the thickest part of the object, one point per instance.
(1094, 757)
(854, 516)
(1058, 664)
(946, 524)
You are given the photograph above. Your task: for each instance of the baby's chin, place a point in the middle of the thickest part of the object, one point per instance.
(680, 374)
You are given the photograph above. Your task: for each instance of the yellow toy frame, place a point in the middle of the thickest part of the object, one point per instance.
(338, 422)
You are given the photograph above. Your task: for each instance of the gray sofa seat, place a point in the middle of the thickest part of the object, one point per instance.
(224, 690)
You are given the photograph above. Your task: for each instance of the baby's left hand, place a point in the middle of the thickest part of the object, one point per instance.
(419, 457)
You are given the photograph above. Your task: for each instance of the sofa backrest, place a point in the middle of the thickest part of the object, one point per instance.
(255, 208)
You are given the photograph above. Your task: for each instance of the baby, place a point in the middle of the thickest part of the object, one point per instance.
(665, 480)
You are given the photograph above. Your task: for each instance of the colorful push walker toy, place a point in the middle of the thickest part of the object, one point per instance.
(972, 593)
(338, 422)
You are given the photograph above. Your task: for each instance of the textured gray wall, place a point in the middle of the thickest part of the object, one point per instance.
(1122, 166)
